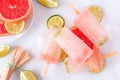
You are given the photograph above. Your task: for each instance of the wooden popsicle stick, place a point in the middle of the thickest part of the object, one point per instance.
(12, 57)
(74, 9)
(16, 56)
(23, 62)
(22, 56)
(92, 65)
(7, 71)
(6, 74)
(109, 54)
(45, 69)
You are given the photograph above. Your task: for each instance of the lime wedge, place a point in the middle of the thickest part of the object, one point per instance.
(55, 21)
(49, 3)
(14, 27)
(4, 49)
(97, 11)
(27, 75)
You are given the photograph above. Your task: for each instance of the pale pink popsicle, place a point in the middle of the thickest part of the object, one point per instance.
(73, 46)
(51, 51)
(88, 24)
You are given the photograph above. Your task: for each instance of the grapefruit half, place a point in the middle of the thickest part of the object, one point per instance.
(15, 10)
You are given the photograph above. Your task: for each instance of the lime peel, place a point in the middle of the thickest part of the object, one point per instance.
(55, 21)
(49, 3)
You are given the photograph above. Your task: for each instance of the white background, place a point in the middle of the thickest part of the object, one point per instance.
(33, 40)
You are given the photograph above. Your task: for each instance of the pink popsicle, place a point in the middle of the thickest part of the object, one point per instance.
(88, 24)
(51, 51)
(73, 46)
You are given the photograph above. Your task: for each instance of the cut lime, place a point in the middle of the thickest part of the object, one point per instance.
(49, 3)
(97, 11)
(62, 56)
(27, 75)
(100, 69)
(14, 27)
(4, 49)
(55, 21)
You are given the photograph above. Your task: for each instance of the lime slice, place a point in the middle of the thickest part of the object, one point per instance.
(4, 49)
(97, 11)
(62, 56)
(49, 3)
(27, 75)
(55, 21)
(100, 69)
(66, 66)
(14, 27)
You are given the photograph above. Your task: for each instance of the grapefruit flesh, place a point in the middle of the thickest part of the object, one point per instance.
(15, 10)
(2, 29)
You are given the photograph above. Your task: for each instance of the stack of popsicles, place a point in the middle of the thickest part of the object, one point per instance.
(80, 43)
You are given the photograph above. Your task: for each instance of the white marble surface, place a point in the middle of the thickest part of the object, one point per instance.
(33, 40)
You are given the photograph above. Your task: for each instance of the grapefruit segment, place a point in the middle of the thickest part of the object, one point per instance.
(15, 10)
(2, 29)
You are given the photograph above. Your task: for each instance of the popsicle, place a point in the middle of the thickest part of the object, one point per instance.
(88, 24)
(96, 58)
(73, 46)
(51, 51)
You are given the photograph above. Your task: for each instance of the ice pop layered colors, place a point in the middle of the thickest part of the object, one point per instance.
(96, 58)
(89, 25)
(73, 46)
(51, 51)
